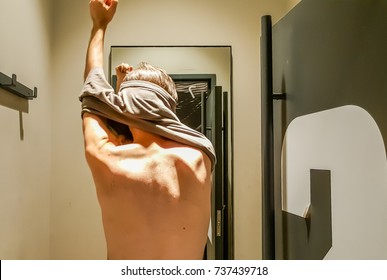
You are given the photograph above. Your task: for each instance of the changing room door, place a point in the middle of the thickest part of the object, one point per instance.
(330, 59)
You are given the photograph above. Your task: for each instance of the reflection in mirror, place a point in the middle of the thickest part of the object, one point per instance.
(202, 75)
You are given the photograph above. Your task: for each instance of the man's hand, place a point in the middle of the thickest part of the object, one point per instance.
(102, 11)
(121, 71)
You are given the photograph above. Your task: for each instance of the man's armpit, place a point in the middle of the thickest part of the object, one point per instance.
(95, 132)
(120, 130)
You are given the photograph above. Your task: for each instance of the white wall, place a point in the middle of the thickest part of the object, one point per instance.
(25, 145)
(76, 226)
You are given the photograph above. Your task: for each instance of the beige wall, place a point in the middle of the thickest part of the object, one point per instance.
(25, 145)
(292, 3)
(71, 214)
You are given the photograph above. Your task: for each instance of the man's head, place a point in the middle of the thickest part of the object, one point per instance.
(149, 73)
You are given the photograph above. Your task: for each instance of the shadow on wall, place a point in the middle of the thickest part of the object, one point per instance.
(16, 103)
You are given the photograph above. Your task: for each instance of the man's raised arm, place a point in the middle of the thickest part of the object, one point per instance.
(101, 12)
(96, 134)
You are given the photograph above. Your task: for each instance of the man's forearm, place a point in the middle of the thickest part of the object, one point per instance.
(94, 56)
(101, 12)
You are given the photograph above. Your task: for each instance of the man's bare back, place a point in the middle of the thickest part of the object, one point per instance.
(154, 194)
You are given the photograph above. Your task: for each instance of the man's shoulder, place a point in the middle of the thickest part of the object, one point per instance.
(168, 154)
(189, 159)
(185, 152)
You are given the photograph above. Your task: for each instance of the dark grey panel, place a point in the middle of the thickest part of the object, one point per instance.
(326, 54)
(330, 53)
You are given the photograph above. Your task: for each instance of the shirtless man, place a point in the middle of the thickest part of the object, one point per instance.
(154, 193)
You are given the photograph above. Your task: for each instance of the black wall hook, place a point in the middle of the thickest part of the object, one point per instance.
(279, 96)
(12, 85)
(13, 82)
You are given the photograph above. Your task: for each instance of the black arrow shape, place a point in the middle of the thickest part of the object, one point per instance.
(310, 237)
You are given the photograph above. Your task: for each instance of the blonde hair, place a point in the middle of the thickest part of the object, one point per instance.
(158, 76)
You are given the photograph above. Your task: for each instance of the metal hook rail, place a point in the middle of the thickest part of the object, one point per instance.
(12, 85)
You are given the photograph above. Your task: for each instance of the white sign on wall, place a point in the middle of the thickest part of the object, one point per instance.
(347, 141)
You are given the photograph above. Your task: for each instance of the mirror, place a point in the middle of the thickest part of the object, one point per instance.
(203, 77)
